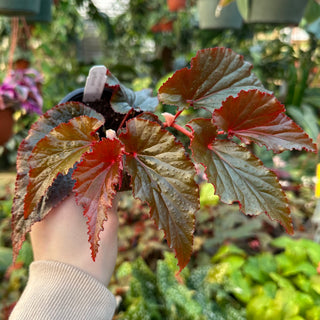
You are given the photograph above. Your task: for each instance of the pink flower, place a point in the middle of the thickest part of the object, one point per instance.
(22, 87)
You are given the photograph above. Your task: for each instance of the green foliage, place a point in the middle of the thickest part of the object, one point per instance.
(165, 295)
(281, 286)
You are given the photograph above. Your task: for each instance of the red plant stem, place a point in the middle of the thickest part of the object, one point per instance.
(170, 122)
(124, 119)
(182, 130)
(178, 114)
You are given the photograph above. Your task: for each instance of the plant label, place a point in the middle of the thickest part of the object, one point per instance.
(95, 83)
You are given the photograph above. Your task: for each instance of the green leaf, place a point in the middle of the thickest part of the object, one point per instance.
(282, 282)
(303, 267)
(244, 8)
(240, 286)
(97, 176)
(313, 313)
(315, 283)
(259, 117)
(306, 117)
(260, 266)
(238, 176)
(215, 74)
(263, 307)
(163, 176)
(302, 282)
(227, 250)
(56, 154)
(124, 99)
(207, 196)
(61, 187)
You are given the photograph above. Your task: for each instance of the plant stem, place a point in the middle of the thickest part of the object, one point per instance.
(124, 119)
(182, 130)
(170, 122)
(178, 114)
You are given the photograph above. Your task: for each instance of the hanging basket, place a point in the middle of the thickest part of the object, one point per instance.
(229, 18)
(272, 11)
(176, 5)
(6, 125)
(19, 7)
(44, 14)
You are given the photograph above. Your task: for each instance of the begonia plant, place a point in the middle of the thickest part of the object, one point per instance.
(91, 149)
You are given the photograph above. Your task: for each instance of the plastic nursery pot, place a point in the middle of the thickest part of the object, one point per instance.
(44, 14)
(176, 5)
(77, 95)
(19, 7)
(229, 18)
(6, 125)
(272, 11)
(112, 119)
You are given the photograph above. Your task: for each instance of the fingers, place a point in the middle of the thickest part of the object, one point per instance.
(62, 236)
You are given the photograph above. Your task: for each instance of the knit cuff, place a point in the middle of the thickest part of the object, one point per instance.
(56, 290)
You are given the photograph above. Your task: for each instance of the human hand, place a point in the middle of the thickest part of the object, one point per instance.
(62, 236)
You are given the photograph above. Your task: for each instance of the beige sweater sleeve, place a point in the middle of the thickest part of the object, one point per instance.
(59, 291)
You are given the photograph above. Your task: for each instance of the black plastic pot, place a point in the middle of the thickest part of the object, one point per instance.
(77, 95)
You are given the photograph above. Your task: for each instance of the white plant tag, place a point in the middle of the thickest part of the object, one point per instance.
(95, 84)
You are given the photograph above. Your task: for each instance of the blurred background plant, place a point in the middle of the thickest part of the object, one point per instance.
(241, 267)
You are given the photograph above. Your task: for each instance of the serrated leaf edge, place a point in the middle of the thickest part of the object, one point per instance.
(181, 267)
(288, 230)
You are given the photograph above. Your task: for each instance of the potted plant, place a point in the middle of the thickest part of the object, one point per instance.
(20, 89)
(272, 11)
(210, 17)
(176, 5)
(44, 14)
(91, 149)
(19, 7)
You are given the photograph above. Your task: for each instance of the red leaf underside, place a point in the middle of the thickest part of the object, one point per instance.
(215, 74)
(62, 186)
(57, 153)
(238, 176)
(97, 176)
(163, 176)
(260, 118)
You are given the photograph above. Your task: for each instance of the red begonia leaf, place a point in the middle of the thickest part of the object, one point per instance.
(215, 74)
(238, 176)
(163, 176)
(61, 187)
(97, 176)
(124, 99)
(259, 117)
(56, 154)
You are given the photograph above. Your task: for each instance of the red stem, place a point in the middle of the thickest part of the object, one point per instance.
(178, 114)
(124, 119)
(182, 130)
(170, 122)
